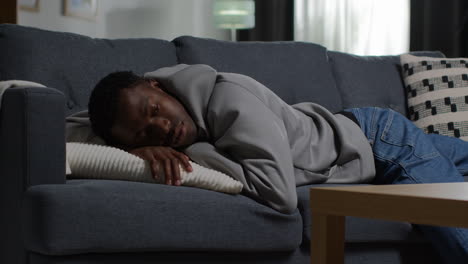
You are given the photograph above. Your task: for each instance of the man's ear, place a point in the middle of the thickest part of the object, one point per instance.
(155, 84)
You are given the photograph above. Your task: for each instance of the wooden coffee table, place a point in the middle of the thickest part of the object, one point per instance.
(443, 204)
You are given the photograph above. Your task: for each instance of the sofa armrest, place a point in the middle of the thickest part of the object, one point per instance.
(32, 152)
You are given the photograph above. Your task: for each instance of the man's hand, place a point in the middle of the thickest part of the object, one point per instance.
(166, 157)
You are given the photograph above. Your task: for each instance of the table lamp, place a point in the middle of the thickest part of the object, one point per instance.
(234, 14)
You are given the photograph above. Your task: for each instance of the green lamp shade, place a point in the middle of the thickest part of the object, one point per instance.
(234, 14)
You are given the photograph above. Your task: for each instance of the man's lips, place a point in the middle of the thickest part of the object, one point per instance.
(177, 134)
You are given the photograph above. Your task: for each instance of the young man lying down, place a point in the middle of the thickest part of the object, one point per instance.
(232, 123)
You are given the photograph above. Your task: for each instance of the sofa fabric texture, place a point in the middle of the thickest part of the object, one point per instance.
(371, 80)
(297, 72)
(129, 222)
(102, 216)
(74, 63)
(357, 253)
(29, 155)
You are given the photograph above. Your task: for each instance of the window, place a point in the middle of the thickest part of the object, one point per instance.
(362, 27)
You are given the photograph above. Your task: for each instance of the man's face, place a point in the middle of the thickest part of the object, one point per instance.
(148, 116)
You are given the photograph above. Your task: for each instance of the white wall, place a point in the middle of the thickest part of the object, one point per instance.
(163, 19)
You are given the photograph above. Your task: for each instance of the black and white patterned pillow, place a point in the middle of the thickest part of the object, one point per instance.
(437, 92)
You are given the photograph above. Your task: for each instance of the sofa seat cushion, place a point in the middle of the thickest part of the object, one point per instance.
(361, 230)
(89, 216)
(296, 71)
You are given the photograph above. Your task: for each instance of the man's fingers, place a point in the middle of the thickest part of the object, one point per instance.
(184, 159)
(154, 166)
(188, 166)
(176, 172)
(170, 160)
(168, 171)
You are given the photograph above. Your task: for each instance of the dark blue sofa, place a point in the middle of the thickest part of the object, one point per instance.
(48, 219)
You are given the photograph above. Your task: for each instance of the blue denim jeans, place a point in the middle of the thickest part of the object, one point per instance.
(404, 154)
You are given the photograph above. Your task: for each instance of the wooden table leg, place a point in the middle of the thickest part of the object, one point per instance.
(327, 239)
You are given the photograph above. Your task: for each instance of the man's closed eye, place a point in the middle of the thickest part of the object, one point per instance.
(155, 110)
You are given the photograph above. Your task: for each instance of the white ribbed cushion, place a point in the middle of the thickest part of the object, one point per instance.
(103, 162)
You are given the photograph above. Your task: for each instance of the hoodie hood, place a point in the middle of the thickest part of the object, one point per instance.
(192, 85)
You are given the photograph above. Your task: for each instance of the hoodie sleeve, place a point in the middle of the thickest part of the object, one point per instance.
(249, 133)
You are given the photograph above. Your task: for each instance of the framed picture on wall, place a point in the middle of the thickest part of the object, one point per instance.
(29, 5)
(86, 9)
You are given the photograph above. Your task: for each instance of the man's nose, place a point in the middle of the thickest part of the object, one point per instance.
(161, 124)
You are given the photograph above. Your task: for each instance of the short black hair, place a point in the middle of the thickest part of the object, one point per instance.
(102, 106)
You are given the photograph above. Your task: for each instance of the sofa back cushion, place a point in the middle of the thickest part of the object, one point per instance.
(74, 63)
(296, 71)
(371, 80)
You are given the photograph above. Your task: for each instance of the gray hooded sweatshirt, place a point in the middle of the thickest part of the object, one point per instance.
(249, 133)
